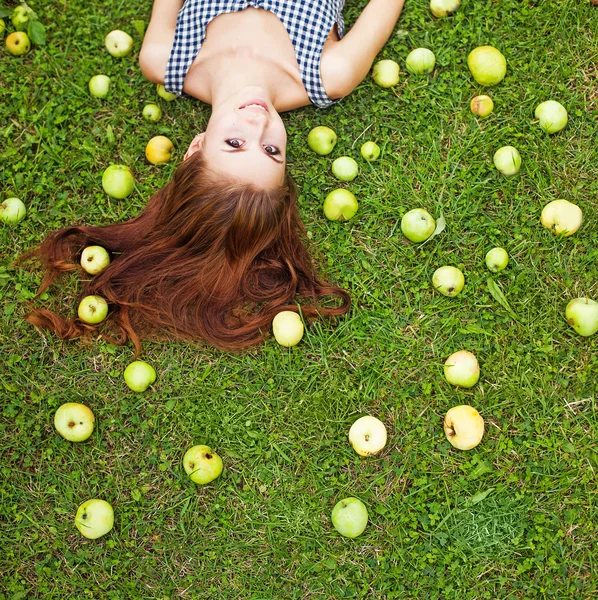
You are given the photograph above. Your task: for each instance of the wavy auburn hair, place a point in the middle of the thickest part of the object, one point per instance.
(209, 258)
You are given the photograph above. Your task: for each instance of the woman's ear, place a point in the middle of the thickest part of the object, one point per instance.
(194, 146)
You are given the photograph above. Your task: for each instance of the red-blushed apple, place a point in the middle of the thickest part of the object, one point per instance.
(562, 217)
(94, 518)
(482, 105)
(74, 421)
(99, 86)
(119, 43)
(287, 328)
(370, 151)
(507, 160)
(449, 281)
(168, 96)
(152, 112)
(487, 65)
(420, 61)
(340, 205)
(367, 436)
(93, 309)
(322, 140)
(442, 8)
(345, 168)
(139, 375)
(118, 181)
(17, 43)
(201, 464)
(386, 73)
(94, 259)
(462, 369)
(12, 211)
(582, 315)
(350, 517)
(464, 427)
(159, 150)
(552, 116)
(497, 259)
(418, 225)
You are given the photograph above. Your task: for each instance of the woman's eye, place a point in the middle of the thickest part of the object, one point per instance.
(272, 150)
(234, 143)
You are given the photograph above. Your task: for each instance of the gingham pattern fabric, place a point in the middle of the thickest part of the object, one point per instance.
(308, 23)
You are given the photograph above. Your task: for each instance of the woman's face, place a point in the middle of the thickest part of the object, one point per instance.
(245, 138)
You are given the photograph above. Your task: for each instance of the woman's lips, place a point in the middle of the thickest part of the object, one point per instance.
(255, 103)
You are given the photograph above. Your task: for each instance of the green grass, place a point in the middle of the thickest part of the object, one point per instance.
(280, 417)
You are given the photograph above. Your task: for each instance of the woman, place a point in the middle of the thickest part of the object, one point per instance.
(219, 251)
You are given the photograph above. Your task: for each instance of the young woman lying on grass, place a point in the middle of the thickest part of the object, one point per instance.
(220, 250)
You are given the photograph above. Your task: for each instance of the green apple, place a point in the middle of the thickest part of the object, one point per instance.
(507, 160)
(287, 328)
(94, 259)
(562, 217)
(482, 105)
(350, 517)
(17, 43)
(164, 94)
(12, 211)
(552, 116)
(449, 281)
(94, 518)
(152, 112)
(74, 421)
(321, 140)
(93, 309)
(118, 181)
(139, 375)
(2, 27)
(464, 427)
(462, 369)
(20, 18)
(367, 436)
(497, 259)
(487, 65)
(582, 315)
(345, 168)
(420, 61)
(99, 86)
(340, 205)
(201, 464)
(386, 73)
(370, 151)
(418, 225)
(442, 8)
(119, 43)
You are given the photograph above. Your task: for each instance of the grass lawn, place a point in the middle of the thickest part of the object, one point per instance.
(514, 518)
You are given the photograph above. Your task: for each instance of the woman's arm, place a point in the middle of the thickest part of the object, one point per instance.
(158, 39)
(348, 61)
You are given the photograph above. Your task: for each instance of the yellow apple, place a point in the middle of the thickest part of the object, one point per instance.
(287, 328)
(464, 427)
(159, 150)
(562, 217)
(367, 436)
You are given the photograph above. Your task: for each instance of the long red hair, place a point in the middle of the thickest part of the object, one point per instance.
(209, 258)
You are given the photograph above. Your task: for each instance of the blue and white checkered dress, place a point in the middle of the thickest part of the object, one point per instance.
(308, 23)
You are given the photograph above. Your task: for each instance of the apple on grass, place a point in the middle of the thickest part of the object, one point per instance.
(99, 85)
(464, 427)
(350, 517)
(139, 375)
(507, 160)
(497, 259)
(152, 112)
(94, 259)
(370, 151)
(487, 65)
(462, 369)
(442, 8)
(201, 464)
(159, 150)
(482, 105)
(74, 421)
(94, 518)
(420, 61)
(2, 27)
(552, 116)
(118, 181)
(582, 315)
(386, 73)
(287, 328)
(345, 168)
(12, 211)
(562, 217)
(418, 225)
(367, 436)
(340, 205)
(93, 309)
(119, 43)
(321, 140)
(168, 96)
(449, 281)
(20, 18)
(18, 43)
